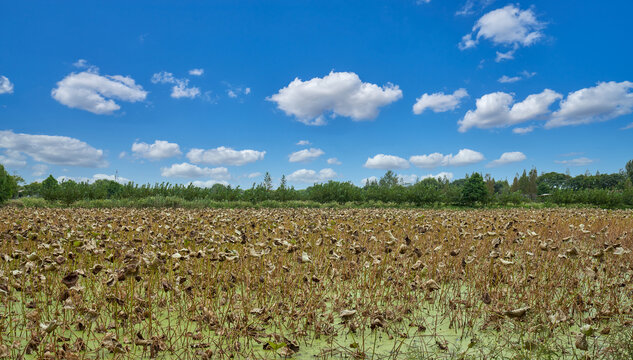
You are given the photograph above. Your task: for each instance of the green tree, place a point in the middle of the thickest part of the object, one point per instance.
(69, 192)
(629, 169)
(389, 180)
(50, 188)
(8, 185)
(268, 182)
(474, 190)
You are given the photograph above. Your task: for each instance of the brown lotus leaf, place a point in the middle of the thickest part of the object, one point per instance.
(70, 279)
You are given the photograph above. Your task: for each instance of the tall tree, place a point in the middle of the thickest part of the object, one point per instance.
(8, 185)
(389, 180)
(474, 190)
(629, 169)
(49, 188)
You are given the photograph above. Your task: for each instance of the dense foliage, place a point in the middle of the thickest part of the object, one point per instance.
(604, 190)
(8, 185)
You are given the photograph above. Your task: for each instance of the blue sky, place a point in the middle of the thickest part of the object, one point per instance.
(508, 86)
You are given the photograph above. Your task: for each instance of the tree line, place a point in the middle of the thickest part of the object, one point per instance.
(605, 190)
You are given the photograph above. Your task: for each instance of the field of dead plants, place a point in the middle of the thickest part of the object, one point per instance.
(315, 284)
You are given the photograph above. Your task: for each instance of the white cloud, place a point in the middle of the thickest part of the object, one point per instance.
(196, 72)
(493, 110)
(95, 93)
(423, 1)
(507, 158)
(382, 161)
(235, 91)
(472, 6)
(6, 87)
(58, 150)
(186, 170)
(311, 176)
(39, 169)
(83, 64)
(629, 126)
(180, 88)
(333, 161)
(523, 130)
(408, 179)
(160, 149)
(463, 157)
(13, 158)
(303, 142)
(439, 102)
(305, 155)
(122, 154)
(510, 79)
(254, 175)
(508, 55)
(224, 156)
(338, 93)
(506, 79)
(208, 183)
(602, 102)
(582, 161)
(507, 26)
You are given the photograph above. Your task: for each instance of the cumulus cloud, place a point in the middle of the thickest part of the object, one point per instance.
(463, 157)
(508, 26)
(13, 158)
(196, 72)
(160, 149)
(385, 162)
(582, 161)
(311, 176)
(439, 102)
(303, 142)
(338, 93)
(305, 155)
(96, 93)
(181, 87)
(507, 158)
(58, 150)
(493, 110)
(188, 171)
(224, 156)
(333, 161)
(605, 101)
(254, 175)
(6, 87)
